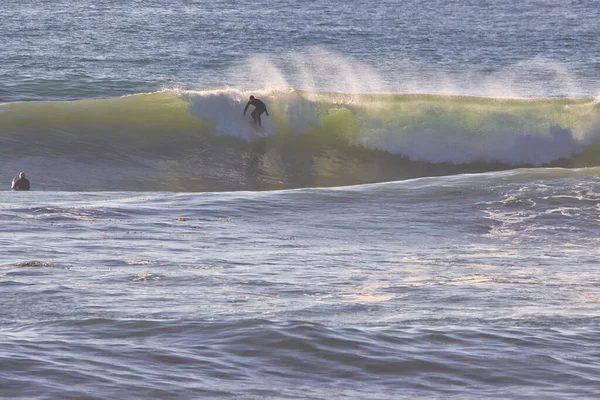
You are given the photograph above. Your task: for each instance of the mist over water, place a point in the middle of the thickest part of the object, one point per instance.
(321, 70)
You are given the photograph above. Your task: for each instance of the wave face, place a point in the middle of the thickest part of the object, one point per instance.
(199, 140)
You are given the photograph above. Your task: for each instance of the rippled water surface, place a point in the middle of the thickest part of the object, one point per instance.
(380, 291)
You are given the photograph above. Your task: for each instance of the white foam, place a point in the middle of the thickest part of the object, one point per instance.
(225, 109)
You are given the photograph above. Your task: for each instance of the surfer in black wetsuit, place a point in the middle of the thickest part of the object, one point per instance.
(22, 183)
(259, 108)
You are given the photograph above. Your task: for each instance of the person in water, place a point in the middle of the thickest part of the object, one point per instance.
(22, 183)
(259, 108)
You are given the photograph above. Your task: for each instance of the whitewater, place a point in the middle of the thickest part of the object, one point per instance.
(418, 216)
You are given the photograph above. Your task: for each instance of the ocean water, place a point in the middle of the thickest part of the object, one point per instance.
(418, 217)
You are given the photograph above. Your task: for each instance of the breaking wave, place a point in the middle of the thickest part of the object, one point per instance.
(199, 140)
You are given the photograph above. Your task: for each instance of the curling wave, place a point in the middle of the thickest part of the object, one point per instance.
(199, 140)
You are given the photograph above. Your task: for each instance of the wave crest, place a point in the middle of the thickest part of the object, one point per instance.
(199, 140)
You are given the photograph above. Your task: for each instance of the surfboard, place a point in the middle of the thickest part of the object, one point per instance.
(259, 129)
(255, 125)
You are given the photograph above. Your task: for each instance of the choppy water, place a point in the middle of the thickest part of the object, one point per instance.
(469, 286)
(417, 218)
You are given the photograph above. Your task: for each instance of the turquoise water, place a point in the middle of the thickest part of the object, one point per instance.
(417, 218)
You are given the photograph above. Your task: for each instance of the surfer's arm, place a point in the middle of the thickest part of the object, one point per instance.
(265, 107)
(245, 109)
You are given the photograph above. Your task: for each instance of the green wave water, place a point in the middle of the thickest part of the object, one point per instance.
(201, 139)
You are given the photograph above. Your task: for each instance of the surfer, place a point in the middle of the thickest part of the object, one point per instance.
(259, 108)
(22, 183)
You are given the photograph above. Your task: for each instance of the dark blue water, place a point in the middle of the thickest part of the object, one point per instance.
(65, 50)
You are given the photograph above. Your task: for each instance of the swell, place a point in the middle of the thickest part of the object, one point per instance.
(199, 140)
(199, 359)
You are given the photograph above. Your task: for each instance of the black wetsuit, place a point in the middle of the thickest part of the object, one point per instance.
(260, 108)
(21, 184)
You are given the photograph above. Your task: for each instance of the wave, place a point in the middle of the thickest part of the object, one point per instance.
(199, 140)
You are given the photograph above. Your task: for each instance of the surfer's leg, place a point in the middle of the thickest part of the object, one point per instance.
(258, 116)
(254, 117)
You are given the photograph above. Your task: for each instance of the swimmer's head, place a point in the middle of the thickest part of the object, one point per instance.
(251, 97)
(21, 174)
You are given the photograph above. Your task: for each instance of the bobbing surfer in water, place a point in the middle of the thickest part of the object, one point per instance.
(22, 183)
(259, 108)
